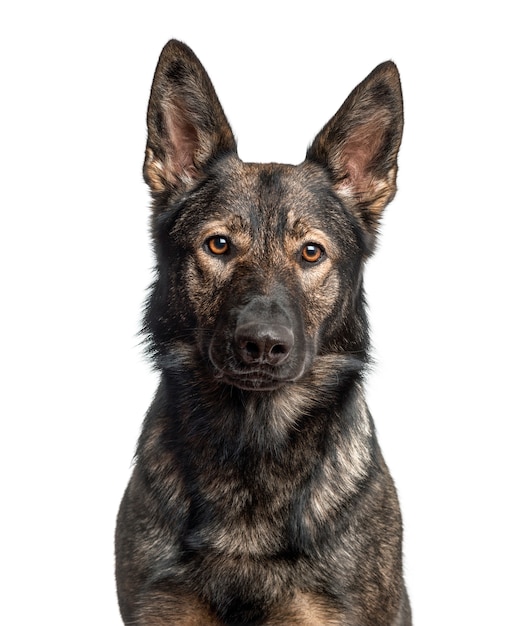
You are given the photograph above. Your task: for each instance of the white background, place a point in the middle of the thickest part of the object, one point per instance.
(76, 260)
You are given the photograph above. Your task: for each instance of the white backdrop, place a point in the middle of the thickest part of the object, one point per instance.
(76, 261)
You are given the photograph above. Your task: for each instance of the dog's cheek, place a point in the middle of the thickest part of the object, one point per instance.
(321, 292)
(205, 286)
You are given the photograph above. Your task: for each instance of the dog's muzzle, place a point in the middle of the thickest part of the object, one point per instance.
(259, 346)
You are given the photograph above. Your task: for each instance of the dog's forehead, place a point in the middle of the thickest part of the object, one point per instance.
(285, 196)
(267, 205)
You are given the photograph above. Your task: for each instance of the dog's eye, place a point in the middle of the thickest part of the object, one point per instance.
(312, 252)
(218, 245)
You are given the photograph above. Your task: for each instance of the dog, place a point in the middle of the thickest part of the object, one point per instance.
(259, 495)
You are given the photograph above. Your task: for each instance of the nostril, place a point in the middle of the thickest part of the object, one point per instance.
(251, 348)
(251, 351)
(279, 352)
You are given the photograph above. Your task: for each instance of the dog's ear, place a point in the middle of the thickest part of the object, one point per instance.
(359, 145)
(186, 123)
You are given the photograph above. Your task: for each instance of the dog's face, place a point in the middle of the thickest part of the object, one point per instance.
(260, 266)
(265, 255)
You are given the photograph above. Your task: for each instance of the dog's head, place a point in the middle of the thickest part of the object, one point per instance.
(259, 266)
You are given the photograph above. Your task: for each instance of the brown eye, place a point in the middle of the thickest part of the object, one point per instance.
(218, 245)
(311, 252)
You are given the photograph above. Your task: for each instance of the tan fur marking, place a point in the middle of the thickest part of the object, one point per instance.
(164, 609)
(307, 609)
(154, 171)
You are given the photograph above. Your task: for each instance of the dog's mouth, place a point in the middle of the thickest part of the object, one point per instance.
(255, 380)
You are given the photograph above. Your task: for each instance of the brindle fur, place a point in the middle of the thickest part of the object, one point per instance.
(260, 495)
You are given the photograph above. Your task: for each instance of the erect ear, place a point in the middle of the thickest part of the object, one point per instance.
(186, 123)
(359, 145)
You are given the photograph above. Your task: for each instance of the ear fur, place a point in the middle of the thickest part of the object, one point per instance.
(186, 123)
(359, 145)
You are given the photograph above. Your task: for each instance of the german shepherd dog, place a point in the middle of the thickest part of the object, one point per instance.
(259, 493)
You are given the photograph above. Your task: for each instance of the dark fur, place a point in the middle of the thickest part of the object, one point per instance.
(260, 495)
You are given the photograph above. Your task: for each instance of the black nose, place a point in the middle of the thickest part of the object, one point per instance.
(259, 343)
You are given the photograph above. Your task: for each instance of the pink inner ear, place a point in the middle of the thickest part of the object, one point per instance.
(183, 139)
(358, 153)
